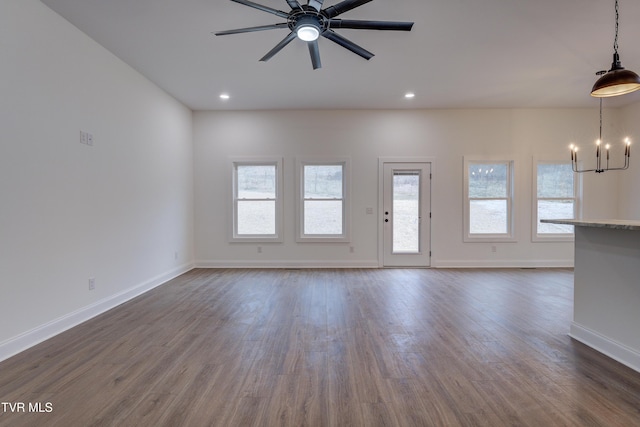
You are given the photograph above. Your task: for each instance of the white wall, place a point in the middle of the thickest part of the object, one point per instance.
(630, 179)
(122, 210)
(118, 211)
(445, 135)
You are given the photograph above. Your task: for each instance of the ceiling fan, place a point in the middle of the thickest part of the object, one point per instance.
(310, 21)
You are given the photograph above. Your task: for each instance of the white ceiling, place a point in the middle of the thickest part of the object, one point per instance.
(460, 53)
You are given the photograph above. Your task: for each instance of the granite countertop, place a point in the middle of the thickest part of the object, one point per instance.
(617, 224)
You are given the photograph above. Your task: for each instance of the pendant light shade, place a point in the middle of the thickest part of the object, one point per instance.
(617, 81)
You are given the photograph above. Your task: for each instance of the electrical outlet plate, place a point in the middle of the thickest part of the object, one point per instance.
(92, 283)
(86, 138)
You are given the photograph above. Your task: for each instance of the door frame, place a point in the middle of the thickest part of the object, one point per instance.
(381, 162)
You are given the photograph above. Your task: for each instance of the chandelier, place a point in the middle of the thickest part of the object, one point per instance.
(602, 159)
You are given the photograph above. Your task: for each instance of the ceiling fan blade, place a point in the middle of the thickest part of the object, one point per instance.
(267, 9)
(343, 7)
(347, 44)
(314, 51)
(370, 25)
(279, 47)
(252, 29)
(294, 4)
(316, 4)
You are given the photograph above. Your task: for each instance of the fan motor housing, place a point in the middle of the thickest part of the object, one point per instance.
(305, 18)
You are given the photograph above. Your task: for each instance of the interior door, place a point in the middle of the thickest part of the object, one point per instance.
(406, 213)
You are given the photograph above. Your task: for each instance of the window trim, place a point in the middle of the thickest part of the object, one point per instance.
(345, 162)
(551, 237)
(510, 235)
(234, 162)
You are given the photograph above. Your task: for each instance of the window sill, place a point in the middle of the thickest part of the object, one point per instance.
(340, 239)
(256, 239)
(489, 238)
(553, 238)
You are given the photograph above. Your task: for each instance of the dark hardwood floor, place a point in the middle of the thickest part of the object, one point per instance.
(328, 348)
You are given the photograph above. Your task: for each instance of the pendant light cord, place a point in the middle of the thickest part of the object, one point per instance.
(615, 41)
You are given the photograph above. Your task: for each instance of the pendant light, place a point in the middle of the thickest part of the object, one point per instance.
(617, 81)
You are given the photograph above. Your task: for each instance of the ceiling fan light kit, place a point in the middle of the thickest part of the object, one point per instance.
(308, 28)
(308, 33)
(309, 22)
(617, 81)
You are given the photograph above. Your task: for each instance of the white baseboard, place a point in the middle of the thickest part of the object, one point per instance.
(374, 264)
(483, 263)
(619, 352)
(28, 339)
(287, 264)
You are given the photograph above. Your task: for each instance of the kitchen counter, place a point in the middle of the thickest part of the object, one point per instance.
(616, 224)
(606, 309)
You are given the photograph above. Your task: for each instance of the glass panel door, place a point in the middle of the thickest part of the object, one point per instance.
(406, 202)
(406, 211)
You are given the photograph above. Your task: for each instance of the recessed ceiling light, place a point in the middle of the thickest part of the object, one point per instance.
(224, 96)
(409, 95)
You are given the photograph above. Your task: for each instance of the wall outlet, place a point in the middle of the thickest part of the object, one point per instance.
(175, 256)
(352, 249)
(86, 138)
(369, 211)
(259, 249)
(92, 283)
(494, 249)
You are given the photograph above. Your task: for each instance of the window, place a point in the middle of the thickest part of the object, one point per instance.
(323, 206)
(555, 198)
(257, 200)
(488, 200)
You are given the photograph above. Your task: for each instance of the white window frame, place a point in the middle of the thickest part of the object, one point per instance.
(234, 162)
(509, 236)
(552, 237)
(345, 162)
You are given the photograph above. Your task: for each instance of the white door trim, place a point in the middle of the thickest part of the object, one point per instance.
(381, 163)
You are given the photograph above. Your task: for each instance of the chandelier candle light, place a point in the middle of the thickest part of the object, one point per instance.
(599, 169)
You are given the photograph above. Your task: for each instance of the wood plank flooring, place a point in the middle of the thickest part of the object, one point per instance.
(406, 347)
